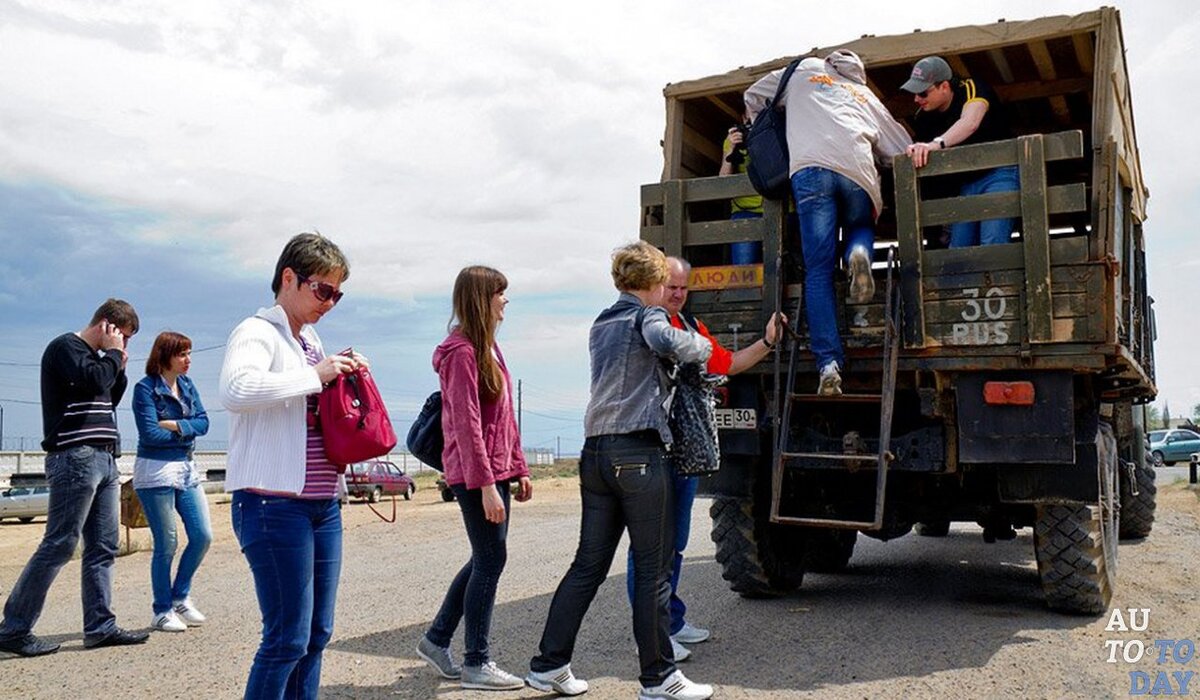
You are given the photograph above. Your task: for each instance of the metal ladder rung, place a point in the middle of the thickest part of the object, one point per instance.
(837, 456)
(843, 398)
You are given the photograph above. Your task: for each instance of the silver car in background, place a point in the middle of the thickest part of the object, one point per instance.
(24, 502)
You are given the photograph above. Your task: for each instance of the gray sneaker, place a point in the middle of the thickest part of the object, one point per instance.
(862, 284)
(439, 658)
(490, 677)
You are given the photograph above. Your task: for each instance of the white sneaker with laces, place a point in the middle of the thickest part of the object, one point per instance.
(680, 652)
(862, 284)
(168, 622)
(188, 613)
(691, 635)
(831, 381)
(559, 680)
(677, 687)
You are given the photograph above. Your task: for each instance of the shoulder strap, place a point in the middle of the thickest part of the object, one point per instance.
(787, 75)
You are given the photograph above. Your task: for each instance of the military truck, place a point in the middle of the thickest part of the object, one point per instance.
(1002, 385)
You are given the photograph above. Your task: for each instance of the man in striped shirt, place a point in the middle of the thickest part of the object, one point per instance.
(83, 380)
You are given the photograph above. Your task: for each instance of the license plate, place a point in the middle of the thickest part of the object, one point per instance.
(737, 418)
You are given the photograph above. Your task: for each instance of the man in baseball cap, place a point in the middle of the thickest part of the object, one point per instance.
(953, 112)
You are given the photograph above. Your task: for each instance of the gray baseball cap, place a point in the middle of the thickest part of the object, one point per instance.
(927, 72)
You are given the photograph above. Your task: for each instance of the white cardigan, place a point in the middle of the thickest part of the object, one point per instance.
(265, 381)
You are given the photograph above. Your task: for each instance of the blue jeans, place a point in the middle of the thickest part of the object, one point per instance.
(685, 496)
(625, 482)
(991, 231)
(472, 593)
(745, 252)
(294, 547)
(825, 202)
(160, 505)
(84, 501)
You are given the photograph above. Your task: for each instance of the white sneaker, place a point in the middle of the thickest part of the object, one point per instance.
(489, 677)
(188, 613)
(831, 381)
(168, 622)
(677, 687)
(862, 284)
(679, 651)
(560, 681)
(691, 635)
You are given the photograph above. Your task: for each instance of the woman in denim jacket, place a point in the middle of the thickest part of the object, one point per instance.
(625, 480)
(169, 417)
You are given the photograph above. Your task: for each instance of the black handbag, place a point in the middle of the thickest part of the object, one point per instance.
(767, 161)
(425, 438)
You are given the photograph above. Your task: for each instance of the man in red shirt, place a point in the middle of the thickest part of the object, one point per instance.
(721, 361)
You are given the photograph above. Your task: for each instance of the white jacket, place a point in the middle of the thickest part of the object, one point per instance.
(834, 121)
(265, 382)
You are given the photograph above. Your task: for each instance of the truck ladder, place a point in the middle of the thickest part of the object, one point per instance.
(885, 399)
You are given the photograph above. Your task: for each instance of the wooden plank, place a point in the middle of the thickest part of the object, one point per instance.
(998, 205)
(673, 141)
(674, 214)
(908, 234)
(775, 221)
(724, 107)
(654, 235)
(905, 49)
(652, 195)
(957, 66)
(1084, 51)
(1005, 306)
(703, 189)
(1044, 63)
(1001, 63)
(1036, 90)
(729, 231)
(1072, 275)
(989, 259)
(702, 144)
(1063, 145)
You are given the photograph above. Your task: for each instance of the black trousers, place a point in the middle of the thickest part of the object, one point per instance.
(625, 481)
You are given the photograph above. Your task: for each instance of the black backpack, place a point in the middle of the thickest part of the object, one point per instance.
(425, 439)
(767, 161)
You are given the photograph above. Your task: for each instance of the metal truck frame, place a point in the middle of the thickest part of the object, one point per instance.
(1001, 385)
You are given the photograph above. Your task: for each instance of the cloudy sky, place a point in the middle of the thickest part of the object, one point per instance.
(163, 152)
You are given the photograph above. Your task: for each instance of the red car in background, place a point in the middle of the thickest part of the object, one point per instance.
(377, 478)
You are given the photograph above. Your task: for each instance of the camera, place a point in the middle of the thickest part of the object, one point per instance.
(738, 155)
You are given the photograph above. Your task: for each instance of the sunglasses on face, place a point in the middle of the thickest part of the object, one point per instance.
(322, 290)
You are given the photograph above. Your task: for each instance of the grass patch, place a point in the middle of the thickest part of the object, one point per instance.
(562, 469)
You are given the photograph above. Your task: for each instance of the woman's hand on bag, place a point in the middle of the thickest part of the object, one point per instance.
(524, 489)
(359, 360)
(332, 365)
(493, 505)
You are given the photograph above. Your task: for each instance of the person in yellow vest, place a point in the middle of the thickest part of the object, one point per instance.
(733, 162)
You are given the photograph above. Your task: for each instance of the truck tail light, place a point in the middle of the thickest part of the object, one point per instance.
(1008, 393)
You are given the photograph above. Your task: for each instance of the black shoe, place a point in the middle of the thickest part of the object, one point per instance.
(29, 645)
(118, 637)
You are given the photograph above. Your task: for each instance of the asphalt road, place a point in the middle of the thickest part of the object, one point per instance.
(912, 618)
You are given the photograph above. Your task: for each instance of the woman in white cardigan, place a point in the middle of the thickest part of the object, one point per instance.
(285, 510)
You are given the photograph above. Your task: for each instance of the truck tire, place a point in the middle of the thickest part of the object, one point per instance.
(933, 528)
(744, 551)
(828, 551)
(1137, 512)
(1076, 545)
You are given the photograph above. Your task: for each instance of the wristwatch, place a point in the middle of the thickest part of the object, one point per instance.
(941, 142)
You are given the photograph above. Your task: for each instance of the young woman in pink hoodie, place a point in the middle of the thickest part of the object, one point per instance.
(481, 457)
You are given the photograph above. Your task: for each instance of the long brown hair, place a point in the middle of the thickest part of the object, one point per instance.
(473, 292)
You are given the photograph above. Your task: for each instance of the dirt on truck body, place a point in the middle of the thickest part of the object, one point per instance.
(1002, 385)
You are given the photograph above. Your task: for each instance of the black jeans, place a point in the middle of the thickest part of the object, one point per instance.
(625, 481)
(472, 594)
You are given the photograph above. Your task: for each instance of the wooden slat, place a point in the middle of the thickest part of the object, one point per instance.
(1001, 63)
(1036, 90)
(1084, 51)
(1044, 63)
(673, 141)
(703, 189)
(654, 235)
(702, 143)
(908, 233)
(958, 66)
(652, 195)
(724, 107)
(775, 221)
(673, 217)
(1063, 145)
(1035, 235)
(713, 232)
(1063, 251)
(1060, 199)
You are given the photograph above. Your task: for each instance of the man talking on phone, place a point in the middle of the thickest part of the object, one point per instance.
(83, 380)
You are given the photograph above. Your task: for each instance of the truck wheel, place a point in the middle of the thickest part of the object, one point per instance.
(828, 551)
(744, 550)
(1157, 458)
(1137, 512)
(933, 528)
(1076, 545)
(375, 495)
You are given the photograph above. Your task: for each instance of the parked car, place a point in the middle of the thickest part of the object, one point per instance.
(1171, 446)
(25, 502)
(377, 478)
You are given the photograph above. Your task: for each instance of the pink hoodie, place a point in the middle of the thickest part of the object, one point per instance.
(482, 442)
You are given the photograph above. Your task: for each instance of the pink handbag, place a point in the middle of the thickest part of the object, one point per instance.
(354, 421)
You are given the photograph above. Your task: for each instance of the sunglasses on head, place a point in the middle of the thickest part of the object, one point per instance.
(322, 290)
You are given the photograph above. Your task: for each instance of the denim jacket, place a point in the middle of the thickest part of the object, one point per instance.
(629, 387)
(152, 402)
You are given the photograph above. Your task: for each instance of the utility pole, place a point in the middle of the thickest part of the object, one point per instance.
(557, 448)
(519, 433)
(1, 427)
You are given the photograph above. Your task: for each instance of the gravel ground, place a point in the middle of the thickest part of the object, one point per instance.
(912, 618)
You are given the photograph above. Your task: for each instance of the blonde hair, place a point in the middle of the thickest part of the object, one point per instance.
(638, 266)
(472, 299)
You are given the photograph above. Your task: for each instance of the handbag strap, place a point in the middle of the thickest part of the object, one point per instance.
(787, 75)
